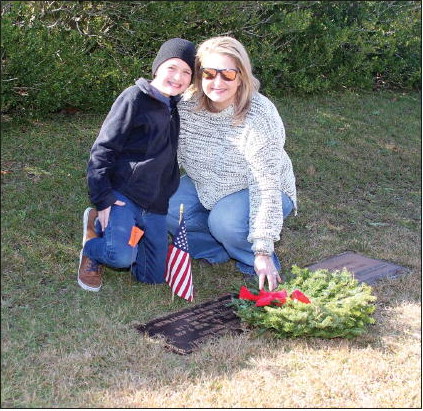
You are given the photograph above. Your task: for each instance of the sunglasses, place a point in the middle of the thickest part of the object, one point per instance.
(226, 74)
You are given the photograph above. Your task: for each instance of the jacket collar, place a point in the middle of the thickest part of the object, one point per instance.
(145, 86)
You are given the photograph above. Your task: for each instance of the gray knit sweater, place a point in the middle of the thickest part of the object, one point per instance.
(222, 158)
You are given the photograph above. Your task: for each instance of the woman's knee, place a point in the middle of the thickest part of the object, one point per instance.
(229, 219)
(228, 228)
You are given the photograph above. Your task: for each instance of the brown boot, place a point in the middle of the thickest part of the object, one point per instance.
(90, 215)
(89, 274)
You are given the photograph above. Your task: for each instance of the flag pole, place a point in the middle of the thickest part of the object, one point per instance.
(181, 212)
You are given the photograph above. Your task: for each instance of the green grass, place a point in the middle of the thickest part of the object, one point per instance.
(357, 158)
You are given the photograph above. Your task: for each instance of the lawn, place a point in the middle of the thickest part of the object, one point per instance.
(357, 159)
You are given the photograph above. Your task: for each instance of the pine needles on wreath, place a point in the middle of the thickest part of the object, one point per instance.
(339, 306)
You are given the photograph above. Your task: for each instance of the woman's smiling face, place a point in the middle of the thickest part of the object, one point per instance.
(220, 92)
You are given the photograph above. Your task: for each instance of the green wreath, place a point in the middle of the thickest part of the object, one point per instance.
(314, 304)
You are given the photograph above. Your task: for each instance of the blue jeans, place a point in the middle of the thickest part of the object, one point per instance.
(147, 260)
(220, 234)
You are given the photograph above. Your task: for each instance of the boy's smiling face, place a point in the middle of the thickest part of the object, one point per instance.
(172, 77)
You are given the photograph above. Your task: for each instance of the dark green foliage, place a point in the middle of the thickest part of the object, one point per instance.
(83, 54)
(340, 307)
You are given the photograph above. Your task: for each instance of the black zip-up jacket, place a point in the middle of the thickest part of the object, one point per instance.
(135, 151)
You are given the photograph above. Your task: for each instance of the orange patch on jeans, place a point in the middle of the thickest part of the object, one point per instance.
(135, 237)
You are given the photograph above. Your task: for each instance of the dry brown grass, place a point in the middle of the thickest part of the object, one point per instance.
(381, 369)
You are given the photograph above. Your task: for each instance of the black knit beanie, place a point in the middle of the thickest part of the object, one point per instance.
(175, 48)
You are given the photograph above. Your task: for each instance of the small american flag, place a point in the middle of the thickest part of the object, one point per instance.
(178, 265)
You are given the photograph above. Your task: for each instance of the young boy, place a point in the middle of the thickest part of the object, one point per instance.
(133, 171)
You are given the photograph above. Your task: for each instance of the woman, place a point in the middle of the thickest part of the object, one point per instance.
(239, 183)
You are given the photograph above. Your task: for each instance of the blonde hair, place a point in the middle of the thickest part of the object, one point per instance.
(248, 83)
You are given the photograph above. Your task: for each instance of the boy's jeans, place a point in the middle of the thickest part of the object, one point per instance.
(219, 234)
(148, 259)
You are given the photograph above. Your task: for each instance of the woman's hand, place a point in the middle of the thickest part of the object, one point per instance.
(264, 267)
(103, 215)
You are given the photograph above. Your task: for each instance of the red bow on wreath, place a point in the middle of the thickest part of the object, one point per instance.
(277, 298)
